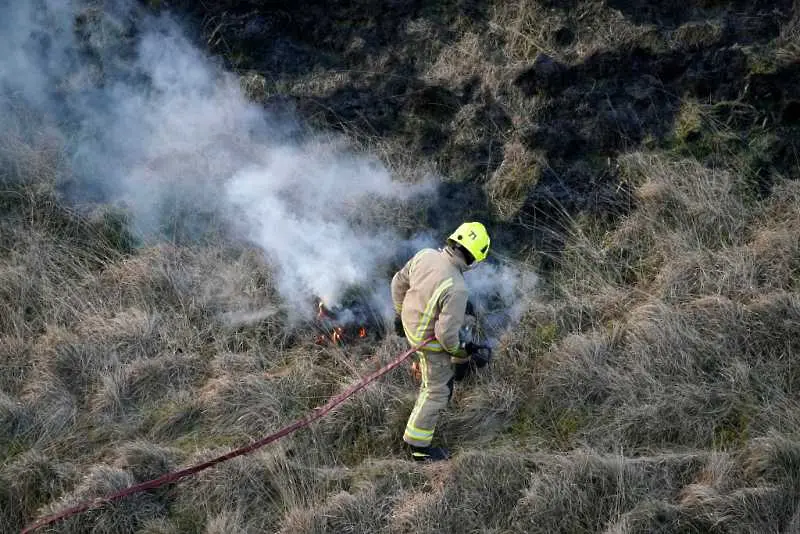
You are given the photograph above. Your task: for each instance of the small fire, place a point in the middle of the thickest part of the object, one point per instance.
(336, 333)
(338, 336)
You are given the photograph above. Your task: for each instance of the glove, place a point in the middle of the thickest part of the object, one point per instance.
(398, 326)
(480, 355)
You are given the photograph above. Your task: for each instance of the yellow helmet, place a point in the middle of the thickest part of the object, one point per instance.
(473, 237)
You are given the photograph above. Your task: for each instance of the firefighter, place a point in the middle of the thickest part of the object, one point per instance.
(430, 299)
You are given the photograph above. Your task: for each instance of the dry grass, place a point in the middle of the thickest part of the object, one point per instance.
(459, 61)
(789, 40)
(123, 516)
(635, 368)
(509, 186)
(28, 481)
(696, 35)
(651, 387)
(680, 335)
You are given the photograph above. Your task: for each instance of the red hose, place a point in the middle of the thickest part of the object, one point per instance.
(174, 476)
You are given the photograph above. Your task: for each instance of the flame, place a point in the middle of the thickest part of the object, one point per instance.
(336, 335)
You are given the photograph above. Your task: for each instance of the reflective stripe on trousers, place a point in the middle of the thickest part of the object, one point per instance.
(432, 399)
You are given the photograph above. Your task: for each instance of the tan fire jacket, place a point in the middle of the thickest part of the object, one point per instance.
(430, 295)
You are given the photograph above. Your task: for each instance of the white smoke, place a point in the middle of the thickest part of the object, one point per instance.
(153, 123)
(501, 293)
(297, 204)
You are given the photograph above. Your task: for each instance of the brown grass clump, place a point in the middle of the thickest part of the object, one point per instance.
(508, 187)
(146, 461)
(132, 333)
(123, 516)
(789, 40)
(247, 406)
(250, 492)
(15, 420)
(16, 367)
(696, 35)
(27, 482)
(462, 503)
(687, 198)
(462, 60)
(54, 411)
(587, 492)
(145, 382)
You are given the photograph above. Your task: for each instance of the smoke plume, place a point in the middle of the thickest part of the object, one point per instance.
(151, 123)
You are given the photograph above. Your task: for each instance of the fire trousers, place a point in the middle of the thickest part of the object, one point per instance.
(434, 393)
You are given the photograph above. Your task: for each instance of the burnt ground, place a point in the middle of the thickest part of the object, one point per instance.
(590, 107)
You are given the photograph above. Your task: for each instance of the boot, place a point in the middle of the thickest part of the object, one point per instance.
(429, 454)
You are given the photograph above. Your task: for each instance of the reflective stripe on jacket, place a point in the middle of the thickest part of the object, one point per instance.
(430, 295)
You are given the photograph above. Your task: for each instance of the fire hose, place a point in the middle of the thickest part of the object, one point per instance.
(175, 476)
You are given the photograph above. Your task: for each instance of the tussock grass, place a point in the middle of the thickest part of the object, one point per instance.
(482, 409)
(176, 416)
(789, 40)
(53, 408)
(247, 492)
(27, 482)
(15, 420)
(586, 492)
(131, 333)
(126, 515)
(460, 61)
(508, 187)
(524, 28)
(660, 379)
(460, 501)
(362, 510)
(145, 382)
(522, 491)
(358, 499)
(652, 386)
(245, 405)
(365, 428)
(696, 35)
(16, 363)
(670, 328)
(145, 460)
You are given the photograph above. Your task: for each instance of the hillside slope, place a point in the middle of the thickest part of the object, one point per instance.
(642, 159)
(531, 102)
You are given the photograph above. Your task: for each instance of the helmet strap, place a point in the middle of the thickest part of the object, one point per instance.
(466, 255)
